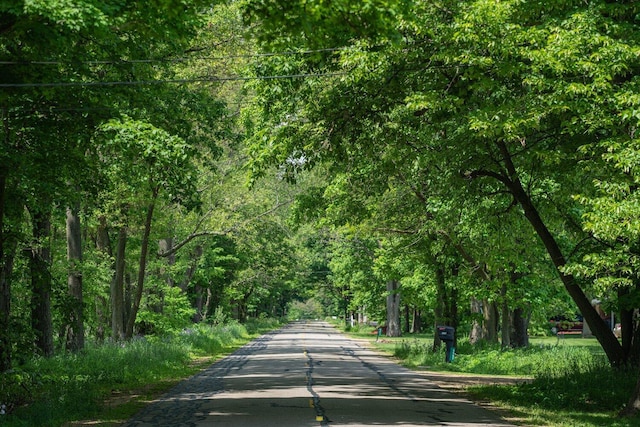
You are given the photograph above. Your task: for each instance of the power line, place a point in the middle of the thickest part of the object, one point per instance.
(168, 81)
(175, 60)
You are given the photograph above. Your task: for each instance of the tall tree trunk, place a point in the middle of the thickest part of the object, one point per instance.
(75, 331)
(519, 324)
(600, 329)
(6, 269)
(520, 337)
(416, 322)
(407, 319)
(491, 316)
(39, 263)
(506, 319)
(166, 246)
(441, 305)
(142, 266)
(117, 288)
(633, 406)
(487, 330)
(198, 304)
(203, 305)
(103, 244)
(477, 334)
(630, 322)
(630, 325)
(6, 266)
(393, 309)
(453, 310)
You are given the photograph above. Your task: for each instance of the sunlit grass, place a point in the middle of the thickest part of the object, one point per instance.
(111, 381)
(563, 382)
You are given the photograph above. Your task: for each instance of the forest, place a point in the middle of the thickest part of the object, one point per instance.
(406, 162)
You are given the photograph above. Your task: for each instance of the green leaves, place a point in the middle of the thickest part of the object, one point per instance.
(324, 24)
(144, 156)
(73, 15)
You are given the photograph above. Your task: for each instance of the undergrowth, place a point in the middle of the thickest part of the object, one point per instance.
(491, 359)
(51, 391)
(565, 385)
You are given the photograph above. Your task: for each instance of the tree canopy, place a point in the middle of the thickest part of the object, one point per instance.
(472, 162)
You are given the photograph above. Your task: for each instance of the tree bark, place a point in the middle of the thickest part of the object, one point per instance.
(6, 265)
(441, 305)
(201, 307)
(117, 288)
(630, 326)
(166, 246)
(103, 244)
(476, 333)
(407, 319)
(600, 330)
(393, 309)
(506, 319)
(39, 263)
(75, 331)
(142, 266)
(519, 324)
(453, 311)
(633, 406)
(520, 338)
(416, 323)
(441, 297)
(491, 316)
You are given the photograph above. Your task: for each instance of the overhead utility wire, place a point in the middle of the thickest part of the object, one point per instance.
(195, 80)
(175, 81)
(182, 59)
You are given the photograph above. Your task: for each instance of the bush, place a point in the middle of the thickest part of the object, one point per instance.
(176, 313)
(16, 388)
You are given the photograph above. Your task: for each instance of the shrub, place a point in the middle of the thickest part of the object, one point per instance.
(176, 313)
(206, 339)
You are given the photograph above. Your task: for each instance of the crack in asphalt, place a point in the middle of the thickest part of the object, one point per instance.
(380, 374)
(320, 412)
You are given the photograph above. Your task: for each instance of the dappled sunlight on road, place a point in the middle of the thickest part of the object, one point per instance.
(308, 374)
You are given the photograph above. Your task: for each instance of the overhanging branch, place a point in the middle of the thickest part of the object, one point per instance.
(197, 234)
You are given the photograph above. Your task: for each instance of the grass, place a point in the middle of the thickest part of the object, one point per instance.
(109, 383)
(569, 382)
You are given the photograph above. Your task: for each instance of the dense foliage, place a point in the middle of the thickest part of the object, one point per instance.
(392, 162)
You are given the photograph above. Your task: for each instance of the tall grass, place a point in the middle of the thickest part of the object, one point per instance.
(486, 358)
(52, 391)
(568, 385)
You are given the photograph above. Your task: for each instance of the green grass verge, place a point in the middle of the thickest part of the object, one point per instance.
(568, 381)
(109, 383)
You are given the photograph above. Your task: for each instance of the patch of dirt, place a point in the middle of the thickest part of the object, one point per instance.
(460, 382)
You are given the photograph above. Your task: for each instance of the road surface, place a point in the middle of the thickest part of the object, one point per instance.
(309, 374)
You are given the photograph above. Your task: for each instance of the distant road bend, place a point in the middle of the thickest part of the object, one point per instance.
(309, 374)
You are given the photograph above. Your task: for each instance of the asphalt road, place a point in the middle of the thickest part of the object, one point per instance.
(308, 374)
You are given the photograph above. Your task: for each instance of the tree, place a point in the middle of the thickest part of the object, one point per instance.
(66, 72)
(75, 333)
(496, 97)
(487, 104)
(149, 161)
